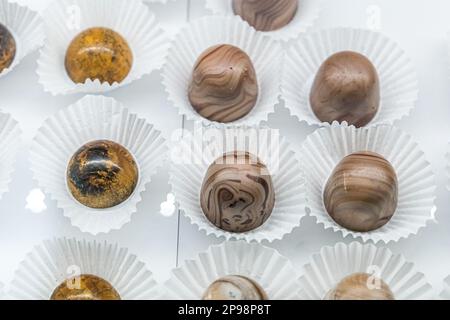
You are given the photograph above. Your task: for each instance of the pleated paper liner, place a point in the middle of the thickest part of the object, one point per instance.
(194, 154)
(307, 13)
(398, 79)
(90, 119)
(206, 32)
(26, 27)
(326, 147)
(54, 261)
(332, 264)
(445, 294)
(65, 19)
(273, 272)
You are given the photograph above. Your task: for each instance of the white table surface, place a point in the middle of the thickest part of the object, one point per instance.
(419, 26)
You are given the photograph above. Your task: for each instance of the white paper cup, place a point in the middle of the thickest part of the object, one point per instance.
(398, 79)
(55, 261)
(65, 19)
(307, 14)
(90, 119)
(445, 294)
(206, 32)
(273, 272)
(326, 147)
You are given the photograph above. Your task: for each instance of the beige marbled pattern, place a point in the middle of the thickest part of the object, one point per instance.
(235, 288)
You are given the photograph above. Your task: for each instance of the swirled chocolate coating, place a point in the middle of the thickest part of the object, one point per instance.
(7, 48)
(237, 194)
(224, 87)
(98, 53)
(266, 15)
(346, 88)
(361, 286)
(234, 288)
(102, 174)
(85, 287)
(361, 194)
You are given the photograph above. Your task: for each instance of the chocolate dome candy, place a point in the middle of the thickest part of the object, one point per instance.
(85, 287)
(7, 48)
(361, 286)
(224, 86)
(102, 174)
(266, 15)
(346, 88)
(234, 288)
(98, 53)
(361, 194)
(237, 194)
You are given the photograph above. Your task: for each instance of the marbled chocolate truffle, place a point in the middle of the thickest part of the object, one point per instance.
(85, 287)
(361, 286)
(361, 194)
(234, 288)
(98, 53)
(346, 88)
(224, 86)
(102, 174)
(266, 15)
(7, 48)
(237, 194)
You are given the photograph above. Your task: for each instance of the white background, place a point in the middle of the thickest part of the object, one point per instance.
(419, 26)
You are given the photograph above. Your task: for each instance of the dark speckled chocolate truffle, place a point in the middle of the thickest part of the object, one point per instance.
(7, 48)
(85, 287)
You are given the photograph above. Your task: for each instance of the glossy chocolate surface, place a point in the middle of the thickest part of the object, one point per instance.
(234, 288)
(7, 48)
(85, 287)
(361, 286)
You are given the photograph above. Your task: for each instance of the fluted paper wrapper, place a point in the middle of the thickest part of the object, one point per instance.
(325, 148)
(398, 79)
(55, 261)
(445, 294)
(90, 119)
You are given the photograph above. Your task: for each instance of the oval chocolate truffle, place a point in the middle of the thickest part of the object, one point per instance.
(266, 15)
(234, 288)
(85, 287)
(361, 286)
(224, 86)
(346, 88)
(237, 194)
(102, 174)
(361, 193)
(7, 48)
(98, 53)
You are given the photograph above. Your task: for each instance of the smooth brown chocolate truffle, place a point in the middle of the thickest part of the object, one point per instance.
(361, 194)
(361, 286)
(7, 48)
(266, 15)
(346, 88)
(85, 287)
(98, 53)
(224, 87)
(234, 288)
(237, 194)
(102, 174)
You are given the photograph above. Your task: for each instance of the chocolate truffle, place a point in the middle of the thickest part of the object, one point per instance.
(361, 194)
(224, 87)
(7, 48)
(85, 287)
(361, 286)
(98, 53)
(102, 174)
(266, 15)
(237, 194)
(234, 288)
(346, 88)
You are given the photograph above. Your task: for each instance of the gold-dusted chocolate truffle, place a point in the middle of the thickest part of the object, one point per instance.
(361, 286)
(85, 287)
(266, 15)
(7, 48)
(102, 174)
(361, 194)
(346, 88)
(224, 86)
(235, 288)
(237, 194)
(98, 53)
